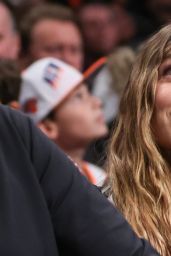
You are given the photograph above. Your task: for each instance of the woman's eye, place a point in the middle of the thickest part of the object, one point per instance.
(166, 71)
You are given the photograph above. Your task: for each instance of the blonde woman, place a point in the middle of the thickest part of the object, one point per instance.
(139, 159)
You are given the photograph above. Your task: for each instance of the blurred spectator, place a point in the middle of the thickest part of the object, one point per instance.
(112, 79)
(100, 30)
(108, 85)
(9, 37)
(125, 22)
(51, 31)
(47, 207)
(55, 95)
(10, 82)
(149, 16)
(160, 10)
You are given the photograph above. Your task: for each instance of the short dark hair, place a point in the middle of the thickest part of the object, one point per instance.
(10, 81)
(44, 11)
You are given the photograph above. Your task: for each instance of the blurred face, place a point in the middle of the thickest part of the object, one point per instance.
(161, 9)
(99, 28)
(125, 22)
(58, 39)
(9, 40)
(80, 119)
(162, 113)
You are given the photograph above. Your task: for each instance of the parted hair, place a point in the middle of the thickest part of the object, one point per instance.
(139, 176)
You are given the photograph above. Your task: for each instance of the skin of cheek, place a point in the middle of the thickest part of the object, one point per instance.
(78, 126)
(163, 96)
(161, 121)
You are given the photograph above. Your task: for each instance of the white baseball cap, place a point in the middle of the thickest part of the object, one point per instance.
(46, 83)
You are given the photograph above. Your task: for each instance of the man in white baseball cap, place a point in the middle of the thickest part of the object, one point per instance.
(55, 96)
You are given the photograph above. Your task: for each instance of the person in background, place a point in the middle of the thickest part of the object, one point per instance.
(100, 30)
(110, 82)
(149, 16)
(138, 164)
(9, 36)
(47, 207)
(108, 85)
(55, 95)
(51, 30)
(126, 23)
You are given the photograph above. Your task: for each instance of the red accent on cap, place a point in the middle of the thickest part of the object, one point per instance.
(30, 106)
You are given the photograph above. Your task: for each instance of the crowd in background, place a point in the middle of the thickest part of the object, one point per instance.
(87, 48)
(79, 33)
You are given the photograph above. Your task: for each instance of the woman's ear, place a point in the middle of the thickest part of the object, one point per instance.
(49, 128)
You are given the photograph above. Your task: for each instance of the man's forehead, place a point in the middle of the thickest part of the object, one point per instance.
(54, 32)
(56, 22)
(5, 18)
(54, 25)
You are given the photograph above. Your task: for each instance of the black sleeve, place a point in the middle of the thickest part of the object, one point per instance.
(84, 222)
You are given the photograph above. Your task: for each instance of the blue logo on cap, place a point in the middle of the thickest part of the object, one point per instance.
(51, 74)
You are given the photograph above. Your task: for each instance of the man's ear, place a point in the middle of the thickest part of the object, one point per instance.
(49, 128)
(14, 104)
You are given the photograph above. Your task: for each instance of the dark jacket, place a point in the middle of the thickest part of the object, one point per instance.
(47, 208)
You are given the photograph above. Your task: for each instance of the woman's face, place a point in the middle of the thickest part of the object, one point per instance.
(161, 121)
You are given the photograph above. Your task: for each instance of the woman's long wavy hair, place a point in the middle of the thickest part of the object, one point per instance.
(139, 176)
